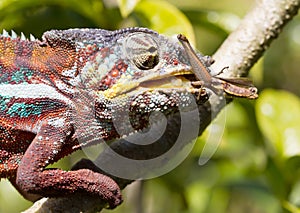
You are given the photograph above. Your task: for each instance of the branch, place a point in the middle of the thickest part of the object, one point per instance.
(239, 51)
(253, 36)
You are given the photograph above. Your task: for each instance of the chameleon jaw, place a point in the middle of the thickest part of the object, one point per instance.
(179, 81)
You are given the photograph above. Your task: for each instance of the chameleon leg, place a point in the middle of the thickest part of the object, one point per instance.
(28, 196)
(34, 178)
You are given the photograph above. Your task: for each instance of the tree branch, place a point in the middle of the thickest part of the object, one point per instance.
(239, 51)
(253, 36)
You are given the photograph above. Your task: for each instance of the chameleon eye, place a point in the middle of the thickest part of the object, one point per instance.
(142, 50)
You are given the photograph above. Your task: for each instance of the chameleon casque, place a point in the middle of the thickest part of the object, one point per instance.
(62, 92)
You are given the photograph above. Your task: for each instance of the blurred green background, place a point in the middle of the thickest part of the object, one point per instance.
(256, 167)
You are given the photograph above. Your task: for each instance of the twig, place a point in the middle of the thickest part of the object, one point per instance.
(255, 33)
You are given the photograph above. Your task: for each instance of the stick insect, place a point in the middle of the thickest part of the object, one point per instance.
(238, 87)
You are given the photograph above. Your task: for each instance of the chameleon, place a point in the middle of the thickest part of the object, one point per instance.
(64, 91)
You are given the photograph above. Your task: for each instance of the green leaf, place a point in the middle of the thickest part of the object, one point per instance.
(54, 13)
(278, 116)
(294, 198)
(127, 6)
(195, 192)
(164, 18)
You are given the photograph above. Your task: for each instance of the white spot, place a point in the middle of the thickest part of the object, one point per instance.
(57, 122)
(152, 105)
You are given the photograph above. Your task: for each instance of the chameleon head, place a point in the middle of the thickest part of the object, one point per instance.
(134, 60)
(132, 69)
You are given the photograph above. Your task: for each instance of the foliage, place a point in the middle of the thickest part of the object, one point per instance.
(256, 168)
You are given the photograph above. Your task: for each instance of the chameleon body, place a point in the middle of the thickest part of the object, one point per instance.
(64, 91)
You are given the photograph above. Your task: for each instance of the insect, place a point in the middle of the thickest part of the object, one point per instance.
(238, 87)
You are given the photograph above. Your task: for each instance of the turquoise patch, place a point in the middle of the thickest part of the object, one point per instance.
(19, 76)
(24, 110)
(3, 102)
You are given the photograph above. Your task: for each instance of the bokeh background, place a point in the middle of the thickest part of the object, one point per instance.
(256, 167)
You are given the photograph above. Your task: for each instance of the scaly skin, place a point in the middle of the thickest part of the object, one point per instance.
(65, 91)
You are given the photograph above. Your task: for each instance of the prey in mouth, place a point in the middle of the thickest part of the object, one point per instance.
(237, 87)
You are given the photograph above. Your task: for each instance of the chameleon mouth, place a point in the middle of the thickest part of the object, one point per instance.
(180, 82)
(176, 81)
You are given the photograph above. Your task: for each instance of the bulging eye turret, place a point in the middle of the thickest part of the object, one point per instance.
(142, 50)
